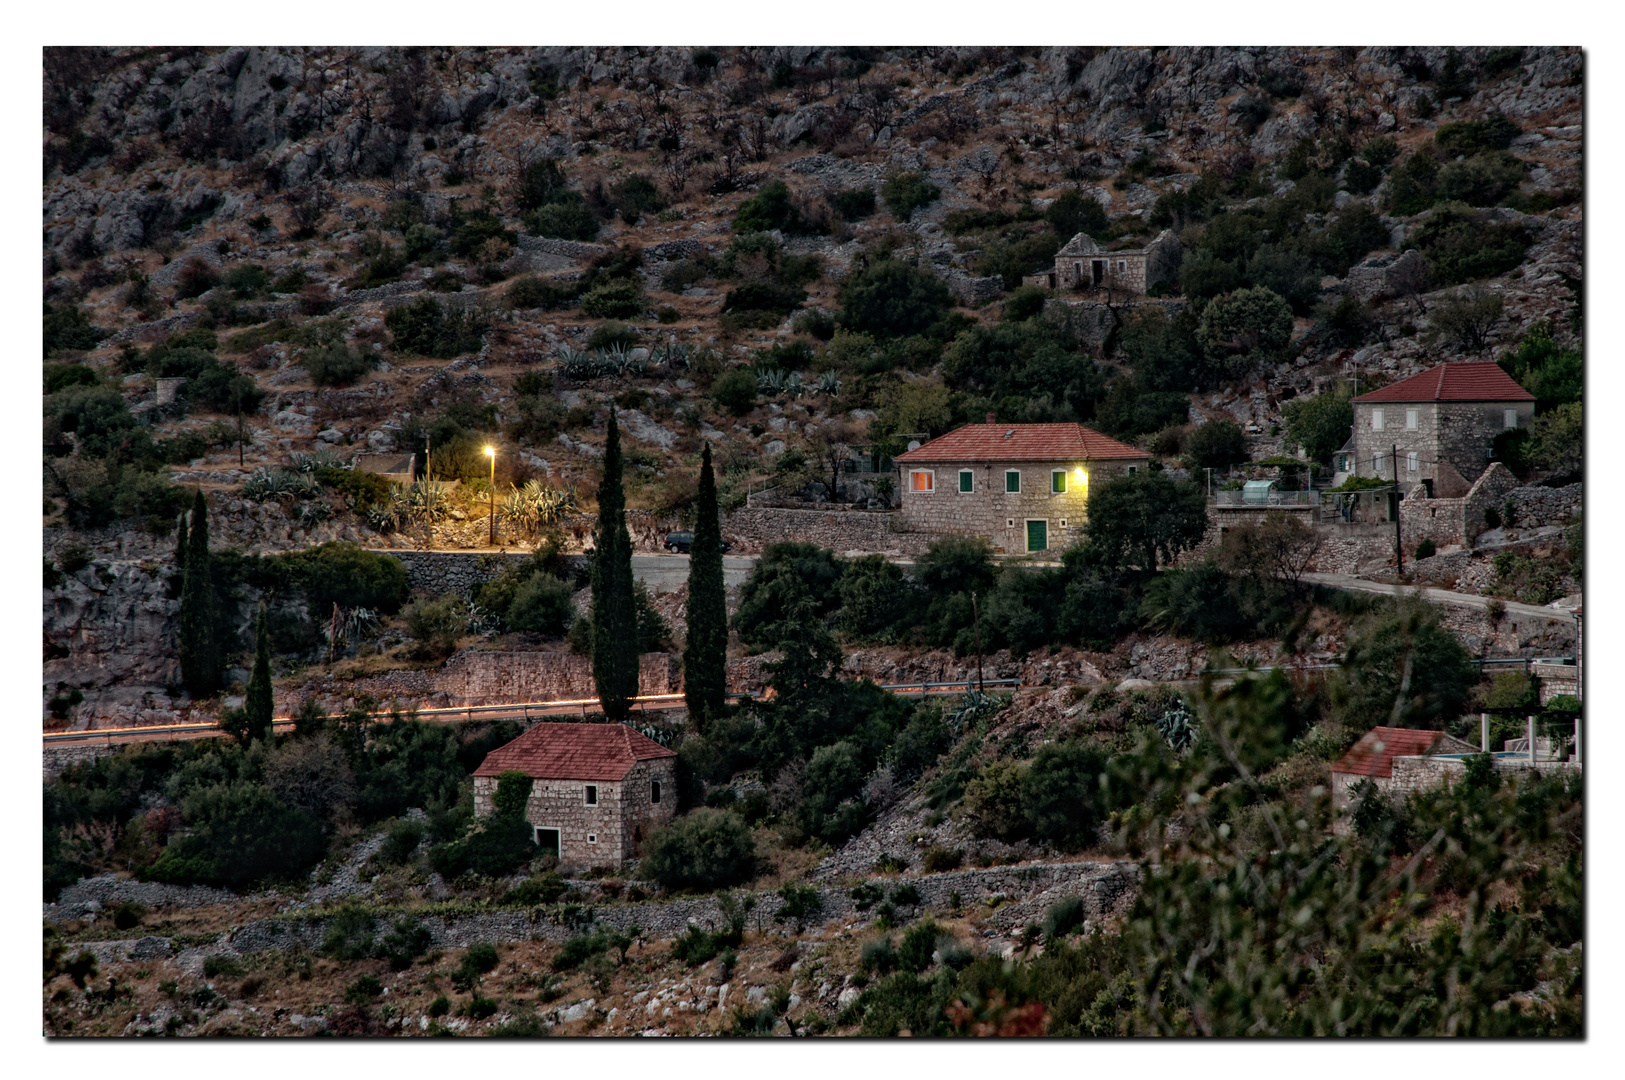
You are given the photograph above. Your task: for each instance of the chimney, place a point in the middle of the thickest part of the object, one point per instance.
(992, 418)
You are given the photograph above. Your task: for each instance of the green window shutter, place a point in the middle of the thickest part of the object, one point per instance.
(1037, 535)
(1057, 483)
(1012, 481)
(965, 480)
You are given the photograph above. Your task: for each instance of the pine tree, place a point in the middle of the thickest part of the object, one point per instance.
(199, 645)
(257, 702)
(705, 656)
(614, 611)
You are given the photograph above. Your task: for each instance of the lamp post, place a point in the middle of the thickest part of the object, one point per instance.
(491, 452)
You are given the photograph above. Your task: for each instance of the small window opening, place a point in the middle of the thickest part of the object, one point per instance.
(654, 791)
(592, 794)
(967, 480)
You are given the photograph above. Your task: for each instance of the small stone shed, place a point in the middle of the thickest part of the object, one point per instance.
(598, 788)
(1443, 423)
(1023, 486)
(1372, 758)
(1083, 265)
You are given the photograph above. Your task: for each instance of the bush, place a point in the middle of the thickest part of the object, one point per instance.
(426, 328)
(346, 574)
(919, 942)
(240, 833)
(1245, 329)
(437, 624)
(769, 209)
(890, 298)
(542, 605)
(363, 990)
(616, 299)
(1464, 247)
(335, 365)
(704, 849)
(1217, 444)
(855, 204)
(906, 192)
(568, 219)
(786, 573)
(876, 600)
(735, 391)
(67, 328)
(1320, 424)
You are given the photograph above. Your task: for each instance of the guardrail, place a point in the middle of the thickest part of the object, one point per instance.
(465, 713)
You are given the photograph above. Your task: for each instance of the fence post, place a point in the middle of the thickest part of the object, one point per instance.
(1577, 740)
(1531, 739)
(1484, 731)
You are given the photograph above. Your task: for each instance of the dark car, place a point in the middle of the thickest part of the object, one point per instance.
(680, 542)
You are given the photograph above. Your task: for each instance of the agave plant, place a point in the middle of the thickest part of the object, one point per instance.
(320, 458)
(973, 707)
(428, 499)
(267, 483)
(828, 384)
(534, 505)
(481, 621)
(1175, 726)
(314, 512)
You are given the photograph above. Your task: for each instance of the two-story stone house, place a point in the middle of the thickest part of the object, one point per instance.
(1441, 424)
(1083, 265)
(1023, 486)
(597, 788)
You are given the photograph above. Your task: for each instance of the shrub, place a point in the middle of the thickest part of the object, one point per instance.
(363, 990)
(879, 956)
(890, 298)
(1217, 444)
(919, 942)
(855, 204)
(542, 605)
(704, 849)
(1245, 329)
(349, 934)
(1320, 424)
(66, 327)
(1063, 917)
(568, 219)
(906, 192)
(402, 840)
(428, 329)
(437, 624)
(735, 391)
(335, 365)
(1463, 247)
(616, 299)
(440, 1006)
(240, 833)
(769, 209)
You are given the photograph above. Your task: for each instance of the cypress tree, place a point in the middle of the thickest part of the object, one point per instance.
(198, 641)
(180, 544)
(705, 655)
(257, 701)
(614, 612)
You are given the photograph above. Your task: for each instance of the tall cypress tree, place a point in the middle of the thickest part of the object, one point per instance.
(614, 612)
(180, 544)
(198, 640)
(705, 656)
(257, 701)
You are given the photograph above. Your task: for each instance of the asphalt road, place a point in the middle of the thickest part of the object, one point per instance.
(667, 573)
(1438, 596)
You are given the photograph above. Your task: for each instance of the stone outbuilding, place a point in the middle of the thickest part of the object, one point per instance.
(1441, 425)
(1023, 486)
(1372, 758)
(598, 789)
(1082, 265)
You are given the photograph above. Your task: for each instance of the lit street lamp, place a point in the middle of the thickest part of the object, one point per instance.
(491, 452)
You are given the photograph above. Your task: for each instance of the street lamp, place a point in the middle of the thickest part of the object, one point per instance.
(491, 452)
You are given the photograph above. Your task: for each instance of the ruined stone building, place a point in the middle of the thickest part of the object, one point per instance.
(1084, 266)
(1023, 486)
(1443, 423)
(598, 789)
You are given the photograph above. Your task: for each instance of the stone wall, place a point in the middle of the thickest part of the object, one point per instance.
(989, 510)
(1412, 774)
(463, 571)
(1535, 506)
(1461, 433)
(750, 529)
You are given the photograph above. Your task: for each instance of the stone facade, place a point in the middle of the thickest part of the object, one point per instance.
(1453, 521)
(1428, 434)
(1006, 518)
(1083, 265)
(605, 833)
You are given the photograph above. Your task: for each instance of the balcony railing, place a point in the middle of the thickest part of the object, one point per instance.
(1273, 498)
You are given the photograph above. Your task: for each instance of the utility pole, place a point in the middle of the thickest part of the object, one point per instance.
(239, 431)
(1399, 552)
(1210, 483)
(976, 621)
(490, 452)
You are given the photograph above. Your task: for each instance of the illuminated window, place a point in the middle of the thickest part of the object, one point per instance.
(1012, 481)
(967, 480)
(922, 481)
(1057, 482)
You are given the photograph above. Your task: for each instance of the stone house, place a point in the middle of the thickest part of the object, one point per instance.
(598, 789)
(1441, 424)
(1083, 265)
(1372, 758)
(1023, 486)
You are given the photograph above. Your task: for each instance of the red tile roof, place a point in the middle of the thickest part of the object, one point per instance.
(573, 752)
(1374, 754)
(1477, 380)
(1023, 442)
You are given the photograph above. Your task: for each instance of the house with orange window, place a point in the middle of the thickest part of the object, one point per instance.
(1023, 486)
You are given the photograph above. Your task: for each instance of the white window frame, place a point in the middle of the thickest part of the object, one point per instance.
(965, 489)
(1009, 523)
(1008, 473)
(1376, 464)
(1053, 473)
(1411, 418)
(1061, 524)
(1410, 462)
(1132, 469)
(930, 487)
(1509, 419)
(592, 838)
(1122, 266)
(1376, 419)
(589, 795)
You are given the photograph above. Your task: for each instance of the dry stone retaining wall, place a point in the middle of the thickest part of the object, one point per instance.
(750, 529)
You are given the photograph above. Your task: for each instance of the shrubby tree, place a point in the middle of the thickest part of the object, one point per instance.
(1217, 444)
(1320, 424)
(892, 298)
(1245, 329)
(1144, 519)
(614, 611)
(704, 849)
(788, 574)
(1404, 669)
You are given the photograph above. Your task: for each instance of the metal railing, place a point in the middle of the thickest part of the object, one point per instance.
(1274, 498)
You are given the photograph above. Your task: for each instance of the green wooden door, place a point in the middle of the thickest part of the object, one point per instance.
(1037, 535)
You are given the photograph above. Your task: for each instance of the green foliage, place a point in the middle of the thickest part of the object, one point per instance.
(1244, 330)
(1465, 318)
(1403, 669)
(542, 605)
(1320, 424)
(1217, 444)
(436, 625)
(735, 391)
(614, 612)
(257, 703)
(855, 204)
(705, 652)
(1139, 520)
(1558, 444)
(426, 328)
(771, 209)
(568, 218)
(1073, 212)
(615, 299)
(906, 192)
(704, 849)
(786, 574)
(1554, 374)
(68, 329)
(876, 600)
(335, 365)
(240, 833)
(891, 298)
(404, 764)
(531, 291)
(1034, 371)
(61, 376)
(1462, 246)
(497, 847)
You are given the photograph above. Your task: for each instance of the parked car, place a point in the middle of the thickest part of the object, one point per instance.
(680, 542)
